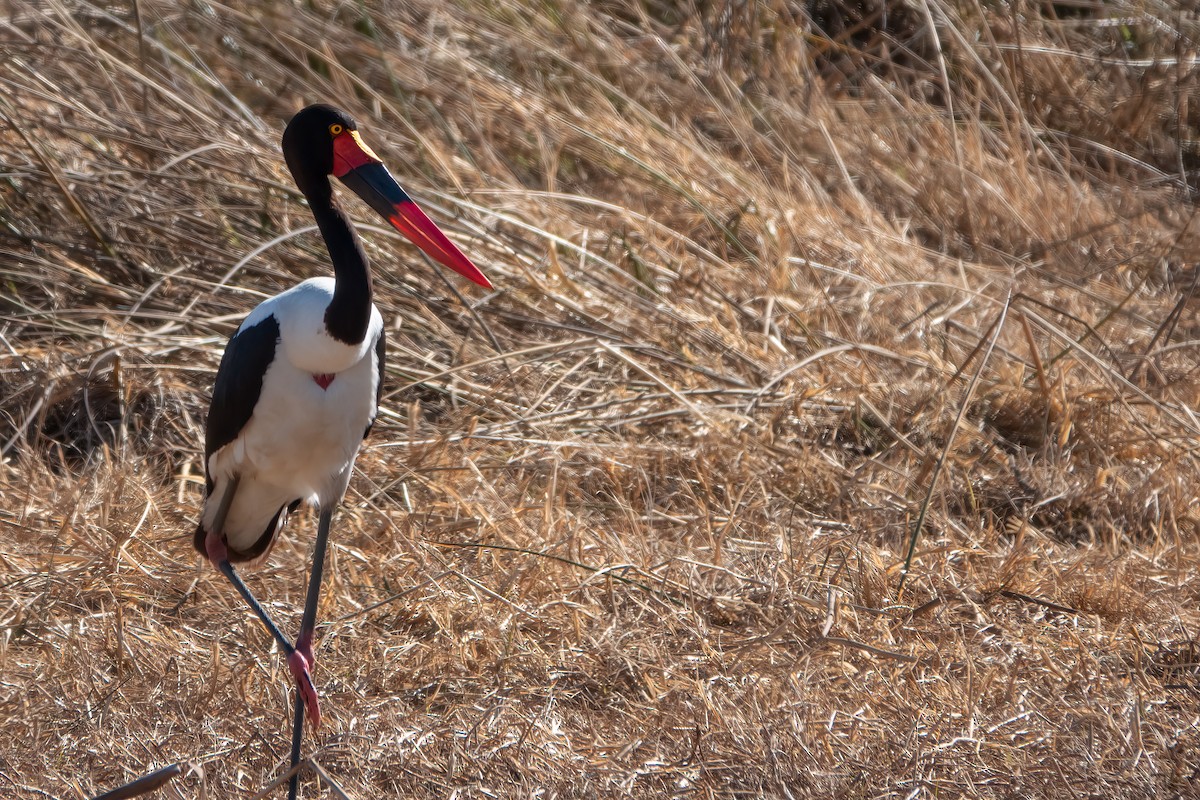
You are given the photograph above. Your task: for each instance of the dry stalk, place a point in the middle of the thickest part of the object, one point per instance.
(742, 252)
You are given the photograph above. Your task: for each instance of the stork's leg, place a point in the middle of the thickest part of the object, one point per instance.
(299, 657)
(302, 657)
(297, 737)
(218, 553)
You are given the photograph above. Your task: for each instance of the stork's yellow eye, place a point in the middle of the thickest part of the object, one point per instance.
(335, 129)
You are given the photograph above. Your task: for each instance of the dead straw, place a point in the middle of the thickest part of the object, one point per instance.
(143, 785)
(746, 255)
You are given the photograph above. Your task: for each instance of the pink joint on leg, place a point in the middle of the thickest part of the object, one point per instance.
(298, 663)
(214, 545)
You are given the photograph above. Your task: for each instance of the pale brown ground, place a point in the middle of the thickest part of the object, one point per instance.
(633, 525)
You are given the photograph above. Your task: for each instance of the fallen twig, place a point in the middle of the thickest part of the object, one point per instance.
(875, 651)
(142, 785)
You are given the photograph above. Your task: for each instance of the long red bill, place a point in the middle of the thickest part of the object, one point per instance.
(363, 173)
(410, 220)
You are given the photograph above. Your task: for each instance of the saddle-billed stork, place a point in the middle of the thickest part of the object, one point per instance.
(299, 383)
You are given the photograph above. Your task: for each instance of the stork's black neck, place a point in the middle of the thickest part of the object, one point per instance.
(349, 313)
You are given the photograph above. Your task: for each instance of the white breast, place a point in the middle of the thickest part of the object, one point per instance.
(305, 342)
(301, 440)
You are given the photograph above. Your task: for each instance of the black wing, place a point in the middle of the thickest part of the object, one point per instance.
(239, 383)
(380, 362)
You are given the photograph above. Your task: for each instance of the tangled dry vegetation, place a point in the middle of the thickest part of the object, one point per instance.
(785, 288)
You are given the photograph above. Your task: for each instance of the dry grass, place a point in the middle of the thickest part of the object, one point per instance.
(775, 283)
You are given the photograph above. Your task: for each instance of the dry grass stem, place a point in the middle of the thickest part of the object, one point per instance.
(143, 785)
(634, 524)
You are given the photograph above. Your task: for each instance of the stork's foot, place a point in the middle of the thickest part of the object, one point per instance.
(299, 662)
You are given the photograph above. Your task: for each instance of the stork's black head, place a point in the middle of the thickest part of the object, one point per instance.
(321, 141)
(308, 142)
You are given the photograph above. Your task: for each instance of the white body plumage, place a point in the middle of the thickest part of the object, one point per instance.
(302, 438)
